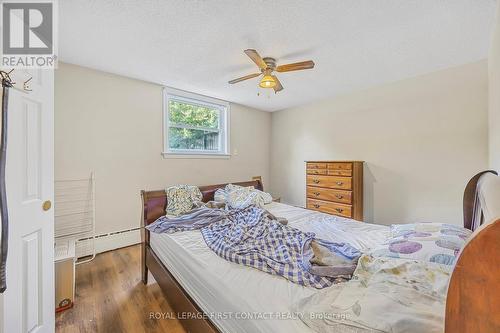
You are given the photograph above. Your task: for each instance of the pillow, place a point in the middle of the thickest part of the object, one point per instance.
(237, 196)
(425, 230)
(182, 198)
(434, 242)
(220, 195)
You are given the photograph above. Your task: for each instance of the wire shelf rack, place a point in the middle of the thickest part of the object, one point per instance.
(74, 215)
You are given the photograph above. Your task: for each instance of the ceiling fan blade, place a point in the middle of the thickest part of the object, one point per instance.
(252, 54)
(243, 78)
(278, 86)
(297, 66)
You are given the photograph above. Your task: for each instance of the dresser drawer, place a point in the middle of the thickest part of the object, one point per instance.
(315, 165)
(341, 183)
(340, 165)
(330, 207)
(329, 194)
(316, 171)
(344, 173)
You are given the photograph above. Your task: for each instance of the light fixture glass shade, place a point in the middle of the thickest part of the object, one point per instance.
(267, 82)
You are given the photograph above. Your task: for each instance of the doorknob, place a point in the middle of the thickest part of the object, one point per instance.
(46, 205)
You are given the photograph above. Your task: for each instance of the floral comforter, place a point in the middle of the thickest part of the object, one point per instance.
(385, 295)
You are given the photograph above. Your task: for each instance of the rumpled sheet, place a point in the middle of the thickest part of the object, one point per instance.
(384, 295)
(254, 238)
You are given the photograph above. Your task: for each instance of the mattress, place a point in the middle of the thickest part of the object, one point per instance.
(243, 299)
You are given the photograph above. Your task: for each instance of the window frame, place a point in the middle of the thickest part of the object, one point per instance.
(191, 98)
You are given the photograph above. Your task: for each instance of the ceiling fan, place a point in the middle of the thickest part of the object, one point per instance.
(267, 66)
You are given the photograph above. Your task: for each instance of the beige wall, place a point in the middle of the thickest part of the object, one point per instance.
(113, 125)
(421, 138)
(494, 96)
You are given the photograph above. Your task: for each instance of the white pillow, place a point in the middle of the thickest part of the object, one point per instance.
(236, 196)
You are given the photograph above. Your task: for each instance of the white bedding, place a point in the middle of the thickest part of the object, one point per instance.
(385, 295)
(244, 299)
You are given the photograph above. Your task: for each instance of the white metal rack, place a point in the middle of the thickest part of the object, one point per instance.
(74, 215)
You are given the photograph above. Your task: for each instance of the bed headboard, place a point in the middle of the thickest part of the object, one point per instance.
(474, 290)
(155, 202)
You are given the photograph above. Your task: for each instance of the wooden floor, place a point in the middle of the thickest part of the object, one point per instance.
(110, 297)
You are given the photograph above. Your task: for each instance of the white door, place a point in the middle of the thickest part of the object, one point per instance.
(28, 302)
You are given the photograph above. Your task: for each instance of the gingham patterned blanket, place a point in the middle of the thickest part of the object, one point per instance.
(252, 237)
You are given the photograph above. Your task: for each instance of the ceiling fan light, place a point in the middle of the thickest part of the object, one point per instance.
(267, 82)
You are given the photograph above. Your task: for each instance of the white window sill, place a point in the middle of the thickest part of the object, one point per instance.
(195, 156)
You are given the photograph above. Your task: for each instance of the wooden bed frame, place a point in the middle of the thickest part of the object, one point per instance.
(473, 301)
(155, 204)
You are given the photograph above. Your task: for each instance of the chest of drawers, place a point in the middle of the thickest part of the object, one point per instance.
(335, 187)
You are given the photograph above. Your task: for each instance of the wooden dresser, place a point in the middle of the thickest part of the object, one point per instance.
(335, 187)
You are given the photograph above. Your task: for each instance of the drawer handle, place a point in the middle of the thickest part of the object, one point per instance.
(316, 206)
(339, 183)
(338, 196)
(339, 210)
(316, 181)
(316, 193)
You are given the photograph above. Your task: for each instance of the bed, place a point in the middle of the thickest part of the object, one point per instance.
(210, 294)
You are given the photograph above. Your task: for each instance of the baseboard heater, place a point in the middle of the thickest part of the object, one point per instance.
(107, 242)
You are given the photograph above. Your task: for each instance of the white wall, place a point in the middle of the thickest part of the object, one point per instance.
(113, 125)
(1, 313)
(421, 138)
(494, 96)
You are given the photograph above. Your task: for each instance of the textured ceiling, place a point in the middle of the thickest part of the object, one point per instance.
(197, 45)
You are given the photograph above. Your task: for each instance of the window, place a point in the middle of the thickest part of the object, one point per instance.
(195, 125)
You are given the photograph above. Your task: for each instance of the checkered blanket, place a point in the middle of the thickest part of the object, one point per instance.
(253, 238)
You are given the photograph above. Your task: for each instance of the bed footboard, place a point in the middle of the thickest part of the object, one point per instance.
(473, 302)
